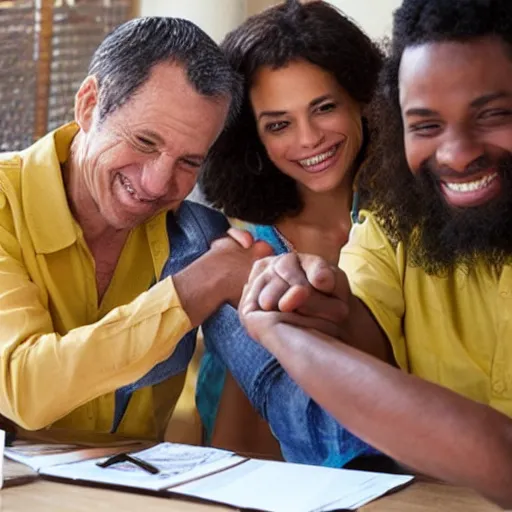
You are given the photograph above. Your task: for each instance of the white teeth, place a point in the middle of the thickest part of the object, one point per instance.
(317, 159)
(125, 182)
(471, 186)
(128, 187)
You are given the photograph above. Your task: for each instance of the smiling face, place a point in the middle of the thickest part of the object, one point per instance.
(310, 127)
(144, 157)
(456, 101)
(456, 108)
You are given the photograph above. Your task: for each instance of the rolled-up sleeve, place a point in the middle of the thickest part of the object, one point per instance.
(44, 376)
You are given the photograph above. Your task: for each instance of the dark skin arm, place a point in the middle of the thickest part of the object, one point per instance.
(421, 425)
(310, 286)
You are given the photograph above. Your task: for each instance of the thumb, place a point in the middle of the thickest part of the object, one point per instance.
(326, 278)
(262, 249)
(320, 274)
(244, 238)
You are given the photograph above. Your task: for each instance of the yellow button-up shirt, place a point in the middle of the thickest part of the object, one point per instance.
(455, 331)
(62, 355)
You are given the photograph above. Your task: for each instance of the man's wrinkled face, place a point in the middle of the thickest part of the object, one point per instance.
(144, 157)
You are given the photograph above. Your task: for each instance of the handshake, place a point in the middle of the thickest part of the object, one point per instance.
(297, 289)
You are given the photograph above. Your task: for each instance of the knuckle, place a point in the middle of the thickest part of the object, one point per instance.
(289, 267)
(259, 266)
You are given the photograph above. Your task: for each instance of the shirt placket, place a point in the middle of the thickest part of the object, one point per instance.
(501, 376)
(92, 307)
(155, 230)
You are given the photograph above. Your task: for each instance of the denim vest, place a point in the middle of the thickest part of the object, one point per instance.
(191, 230)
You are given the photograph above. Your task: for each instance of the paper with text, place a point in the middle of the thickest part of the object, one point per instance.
(42, 455)
(177, 463)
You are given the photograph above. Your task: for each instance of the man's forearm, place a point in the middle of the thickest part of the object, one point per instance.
(90, 361)
(424, 426)
(362, 331)
(306, 433)
(201, 289)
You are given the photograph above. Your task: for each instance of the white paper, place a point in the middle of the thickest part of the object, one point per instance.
(43, 455)
(177, 464)
(284, 487)
(216, 475)
(2, 444)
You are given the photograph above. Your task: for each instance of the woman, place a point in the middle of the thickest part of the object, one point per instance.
(288, 164)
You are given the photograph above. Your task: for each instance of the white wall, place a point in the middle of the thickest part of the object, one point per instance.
(256, 6)
(215, 17)
(374, 16)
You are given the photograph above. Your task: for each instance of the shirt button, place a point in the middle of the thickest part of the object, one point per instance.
(498, 387)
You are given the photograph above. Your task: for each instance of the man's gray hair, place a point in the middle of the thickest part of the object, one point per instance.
(125, 58)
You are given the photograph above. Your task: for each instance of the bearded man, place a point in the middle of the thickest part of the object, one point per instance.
(411, 342)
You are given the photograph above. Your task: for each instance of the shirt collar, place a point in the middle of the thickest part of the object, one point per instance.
(49, 219)
(47, 214)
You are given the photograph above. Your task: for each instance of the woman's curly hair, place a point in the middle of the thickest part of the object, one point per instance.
(238, 177)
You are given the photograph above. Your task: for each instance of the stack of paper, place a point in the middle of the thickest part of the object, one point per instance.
(223, 477)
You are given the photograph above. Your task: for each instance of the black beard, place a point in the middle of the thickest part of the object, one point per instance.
(444, 237)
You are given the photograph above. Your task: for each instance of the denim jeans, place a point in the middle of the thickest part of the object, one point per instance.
(307, 433)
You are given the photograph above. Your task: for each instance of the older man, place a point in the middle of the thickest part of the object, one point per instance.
(83, 237)
(426, 280)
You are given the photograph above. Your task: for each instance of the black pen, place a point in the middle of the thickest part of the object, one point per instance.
(124, 457)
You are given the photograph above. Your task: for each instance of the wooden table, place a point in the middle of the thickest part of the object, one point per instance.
(47, 496)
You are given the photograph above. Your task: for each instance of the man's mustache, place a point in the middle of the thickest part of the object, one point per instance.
(475, 168)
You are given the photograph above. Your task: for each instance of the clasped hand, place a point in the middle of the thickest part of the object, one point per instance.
(298, 289)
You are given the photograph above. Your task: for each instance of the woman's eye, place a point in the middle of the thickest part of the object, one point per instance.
(326, 107)
(495, 114)
(276, 127)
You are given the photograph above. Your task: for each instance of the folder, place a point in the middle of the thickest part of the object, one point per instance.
(211, 475)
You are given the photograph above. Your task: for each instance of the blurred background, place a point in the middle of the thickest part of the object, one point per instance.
(47, 44)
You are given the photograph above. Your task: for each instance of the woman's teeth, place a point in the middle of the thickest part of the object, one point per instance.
(318, 159)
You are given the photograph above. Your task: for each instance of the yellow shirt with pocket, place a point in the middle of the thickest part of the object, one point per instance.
(455, 331)
(63, 354)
